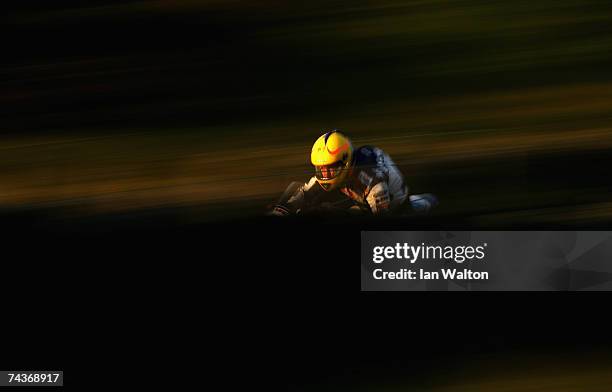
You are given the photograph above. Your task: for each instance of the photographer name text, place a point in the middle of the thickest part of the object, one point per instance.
(434, 253)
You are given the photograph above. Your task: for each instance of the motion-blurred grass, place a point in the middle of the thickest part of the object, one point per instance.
(501, 108)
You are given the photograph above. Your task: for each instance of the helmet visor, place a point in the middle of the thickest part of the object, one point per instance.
(329, 172)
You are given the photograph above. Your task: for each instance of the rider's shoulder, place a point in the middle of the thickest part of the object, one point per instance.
(366, 172)
(367, 154)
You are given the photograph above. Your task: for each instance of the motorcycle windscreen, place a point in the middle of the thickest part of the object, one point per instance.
(329, 172)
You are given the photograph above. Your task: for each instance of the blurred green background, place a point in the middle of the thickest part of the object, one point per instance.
(210, 107)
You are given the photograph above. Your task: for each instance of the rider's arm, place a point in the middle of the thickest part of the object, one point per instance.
(372, 178)
(303, 196)
(379, 198)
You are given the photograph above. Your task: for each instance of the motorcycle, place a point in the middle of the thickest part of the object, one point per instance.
(420, 204)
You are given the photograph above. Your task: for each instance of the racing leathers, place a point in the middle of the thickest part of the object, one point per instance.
(374, 184)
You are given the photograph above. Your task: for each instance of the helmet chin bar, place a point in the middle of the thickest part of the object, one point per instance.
(337, 181)
(329, 172)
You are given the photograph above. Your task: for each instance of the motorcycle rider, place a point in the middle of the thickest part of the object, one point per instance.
(367, 176)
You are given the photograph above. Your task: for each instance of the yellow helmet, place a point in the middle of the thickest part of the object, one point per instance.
(332, 156)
